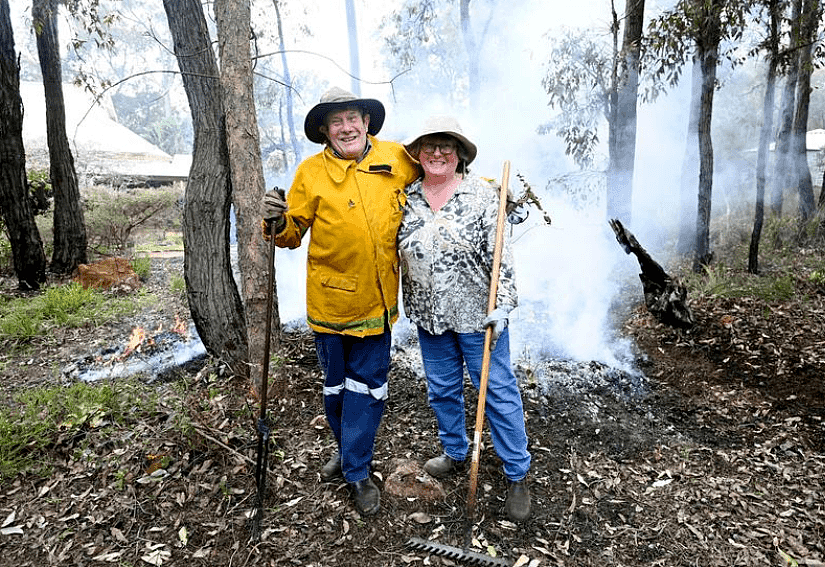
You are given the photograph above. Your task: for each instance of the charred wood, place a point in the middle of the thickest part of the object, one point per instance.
(665, 297)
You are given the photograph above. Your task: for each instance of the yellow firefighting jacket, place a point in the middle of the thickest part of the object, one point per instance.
(352, 210)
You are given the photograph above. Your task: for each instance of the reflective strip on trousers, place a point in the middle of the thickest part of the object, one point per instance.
(379, 393)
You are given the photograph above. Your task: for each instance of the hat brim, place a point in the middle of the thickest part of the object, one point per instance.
(469, 148)
(316, 116)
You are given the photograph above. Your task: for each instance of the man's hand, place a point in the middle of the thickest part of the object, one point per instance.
(497, 319)
(274, 206)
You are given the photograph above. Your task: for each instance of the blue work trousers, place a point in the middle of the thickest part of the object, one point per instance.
(444, 358)
(355, 392)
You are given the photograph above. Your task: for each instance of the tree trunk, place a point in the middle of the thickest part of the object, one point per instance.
(686, 243)
(69, 228)
(783, 174)
(799, 149)
(216, 306)
(354, 65)
(782, 164)
(764, 141)
(623, 149)
(472, 53)
(234, 29)
(18, 215)
(708, 51)
(290, 118)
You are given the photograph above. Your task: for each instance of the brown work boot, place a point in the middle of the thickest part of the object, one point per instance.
(367, 496)
(441, 466)
(332, 468)
(517, 504)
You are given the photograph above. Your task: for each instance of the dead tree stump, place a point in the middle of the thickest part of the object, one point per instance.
(665, 298)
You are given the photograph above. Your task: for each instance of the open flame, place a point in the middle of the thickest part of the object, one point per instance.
(135, 340)
(180, 326)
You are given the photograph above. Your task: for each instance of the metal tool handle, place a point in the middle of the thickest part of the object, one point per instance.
(263, 424)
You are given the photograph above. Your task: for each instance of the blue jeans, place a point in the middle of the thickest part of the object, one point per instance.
(355, 392)
(444, 358)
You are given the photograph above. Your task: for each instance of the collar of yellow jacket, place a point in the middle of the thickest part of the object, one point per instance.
(337, 167)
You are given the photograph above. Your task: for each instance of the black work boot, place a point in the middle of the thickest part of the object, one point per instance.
(441, 466)
(332, 468)
(517, 504)
(367, 496)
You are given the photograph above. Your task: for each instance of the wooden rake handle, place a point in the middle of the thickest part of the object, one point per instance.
(488, 339)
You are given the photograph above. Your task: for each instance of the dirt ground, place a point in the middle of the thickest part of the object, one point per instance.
(720, 462)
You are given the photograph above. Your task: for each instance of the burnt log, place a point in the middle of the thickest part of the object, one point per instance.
(665, 297)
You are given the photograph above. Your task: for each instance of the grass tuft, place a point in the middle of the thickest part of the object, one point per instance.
(37, 419)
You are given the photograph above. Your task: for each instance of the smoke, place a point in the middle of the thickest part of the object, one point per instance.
(572, 276)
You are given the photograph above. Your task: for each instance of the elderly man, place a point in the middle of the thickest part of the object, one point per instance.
(350, 197)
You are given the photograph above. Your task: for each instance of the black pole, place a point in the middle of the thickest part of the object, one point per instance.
(263, 423)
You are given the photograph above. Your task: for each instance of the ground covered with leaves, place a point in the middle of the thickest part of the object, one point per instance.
(718, 460)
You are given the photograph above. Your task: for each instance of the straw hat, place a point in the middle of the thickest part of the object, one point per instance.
(338, 99)
(443, 124)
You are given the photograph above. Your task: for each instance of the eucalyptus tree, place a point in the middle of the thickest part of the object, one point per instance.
(578, 82)
(18, 216)
(288, 92)
(622, 115)
(771, 46)
(589, 87)
(214, 301)
(695, 29)
(783, 173)
(69, 227)
(435, 46)
(810, 20)
(246, 173)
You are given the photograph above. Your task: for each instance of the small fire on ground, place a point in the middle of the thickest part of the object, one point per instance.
(152, 355)
(138, 339)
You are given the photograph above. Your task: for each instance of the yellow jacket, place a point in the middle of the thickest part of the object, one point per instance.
(352, 211)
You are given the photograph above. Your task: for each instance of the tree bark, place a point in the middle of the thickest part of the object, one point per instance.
(783, 174)
(26, 247)
(215, 304)
(811, 13)
(243, 141)
(352, 35)
(782, 164)
(764, 139)
(708, 55)
(69, 227)
(472, 53)
(290, 117)
(623, 128)
(686, 243)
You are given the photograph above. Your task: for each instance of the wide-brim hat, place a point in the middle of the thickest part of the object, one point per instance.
(338, 99)
(443, 124)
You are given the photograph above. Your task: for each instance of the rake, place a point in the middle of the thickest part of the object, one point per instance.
(457, 553)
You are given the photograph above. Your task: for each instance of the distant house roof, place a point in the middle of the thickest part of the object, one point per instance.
(102, 147)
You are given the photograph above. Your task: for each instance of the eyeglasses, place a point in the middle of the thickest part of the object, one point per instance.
(445, 147)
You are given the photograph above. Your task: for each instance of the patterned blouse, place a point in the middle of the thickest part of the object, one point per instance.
(447, 257)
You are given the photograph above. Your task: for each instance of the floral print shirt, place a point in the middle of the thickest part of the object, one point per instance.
(447, 258)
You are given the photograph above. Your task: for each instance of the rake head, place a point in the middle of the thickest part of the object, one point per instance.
(456, 553)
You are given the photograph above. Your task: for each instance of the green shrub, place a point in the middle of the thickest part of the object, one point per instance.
(177, 284)
(6, 260)
(112, 215)
(142, 266)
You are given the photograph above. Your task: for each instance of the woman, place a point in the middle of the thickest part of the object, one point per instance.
(446, 243)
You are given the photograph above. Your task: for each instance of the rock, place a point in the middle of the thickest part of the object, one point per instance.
(107, 274)
(408, 480)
